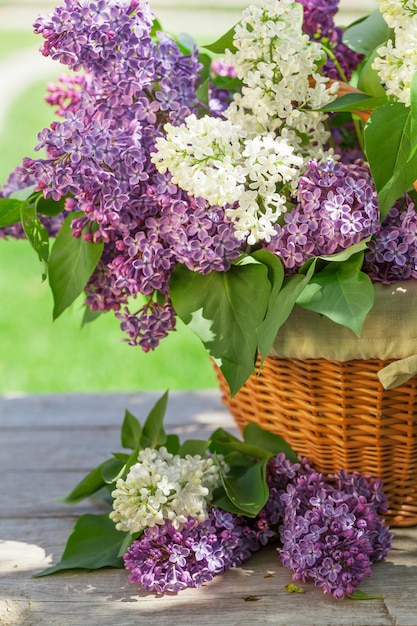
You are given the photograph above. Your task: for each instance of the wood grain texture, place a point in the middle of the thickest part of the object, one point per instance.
(47, 443)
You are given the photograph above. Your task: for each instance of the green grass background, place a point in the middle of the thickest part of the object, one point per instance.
(41, 356)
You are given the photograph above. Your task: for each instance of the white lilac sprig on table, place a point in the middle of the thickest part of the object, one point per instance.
(227, 184)
(183, 513)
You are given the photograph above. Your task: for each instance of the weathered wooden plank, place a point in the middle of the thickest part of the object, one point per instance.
(62, 447)
(252, 594)
(87, 410)
(39, 496)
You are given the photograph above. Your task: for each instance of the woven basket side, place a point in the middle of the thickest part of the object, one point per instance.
(339, 416)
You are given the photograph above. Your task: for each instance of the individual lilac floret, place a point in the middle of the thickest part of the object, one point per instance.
(165, 559)
(332, 535)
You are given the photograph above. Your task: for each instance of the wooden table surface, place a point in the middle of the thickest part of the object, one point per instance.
(48, 443)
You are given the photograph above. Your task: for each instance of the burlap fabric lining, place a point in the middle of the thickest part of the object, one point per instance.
(389, 332)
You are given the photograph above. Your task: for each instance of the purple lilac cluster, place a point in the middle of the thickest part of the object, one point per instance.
(99, 153)
(393, 250)
(331, 534)
(330, 529)
(319, 25)
(167, 560)
(337, 207)
(65, 94)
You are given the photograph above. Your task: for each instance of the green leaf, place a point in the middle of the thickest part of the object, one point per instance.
(126, 544)
(413, 116)
(103, 494)
(10, 209)
(341, 292)
(219, 441)
(369, 80)
(357, 102)
(225, 42)
(194, 447)
(71, 264)
(245, 448)
(93, 543)
(156, 27)
(135, 437)
(222, 501)
(89, 316)
(275, 444)
(222, 442)
(275, 274)
(36, 233)
(358, 594)
(112, 470)
(202, 92)
(281, 308)
(131, 431)
(367, 34)
(248, 490)
(87, 486)
(126, 465)
(153, 433)
(347, 253)
(226, 82)
(388, 146)
(48, 206)
(172, 444)
(26, 193)
(224, 309)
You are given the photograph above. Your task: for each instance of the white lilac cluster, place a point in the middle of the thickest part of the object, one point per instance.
(163, 487)
(248, 161)
(216, 160)
(397, 59)
(282, 87)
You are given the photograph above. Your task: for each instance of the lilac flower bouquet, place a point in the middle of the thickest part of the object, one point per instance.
(224, 185)
(183, 513)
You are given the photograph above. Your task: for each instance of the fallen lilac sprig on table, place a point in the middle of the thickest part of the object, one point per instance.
(185, 513)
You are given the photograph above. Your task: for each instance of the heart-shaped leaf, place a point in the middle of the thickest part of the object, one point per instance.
(93, 543)
(131, 431)
(367, 34)
(389, 142)
(248, 490)
(36, 233)
(280, 309)
(89, 485)
(341, 292)
(224, 309)
(71, 264)
(10, 209)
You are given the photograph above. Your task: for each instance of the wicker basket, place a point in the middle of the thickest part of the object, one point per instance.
(339, 415)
